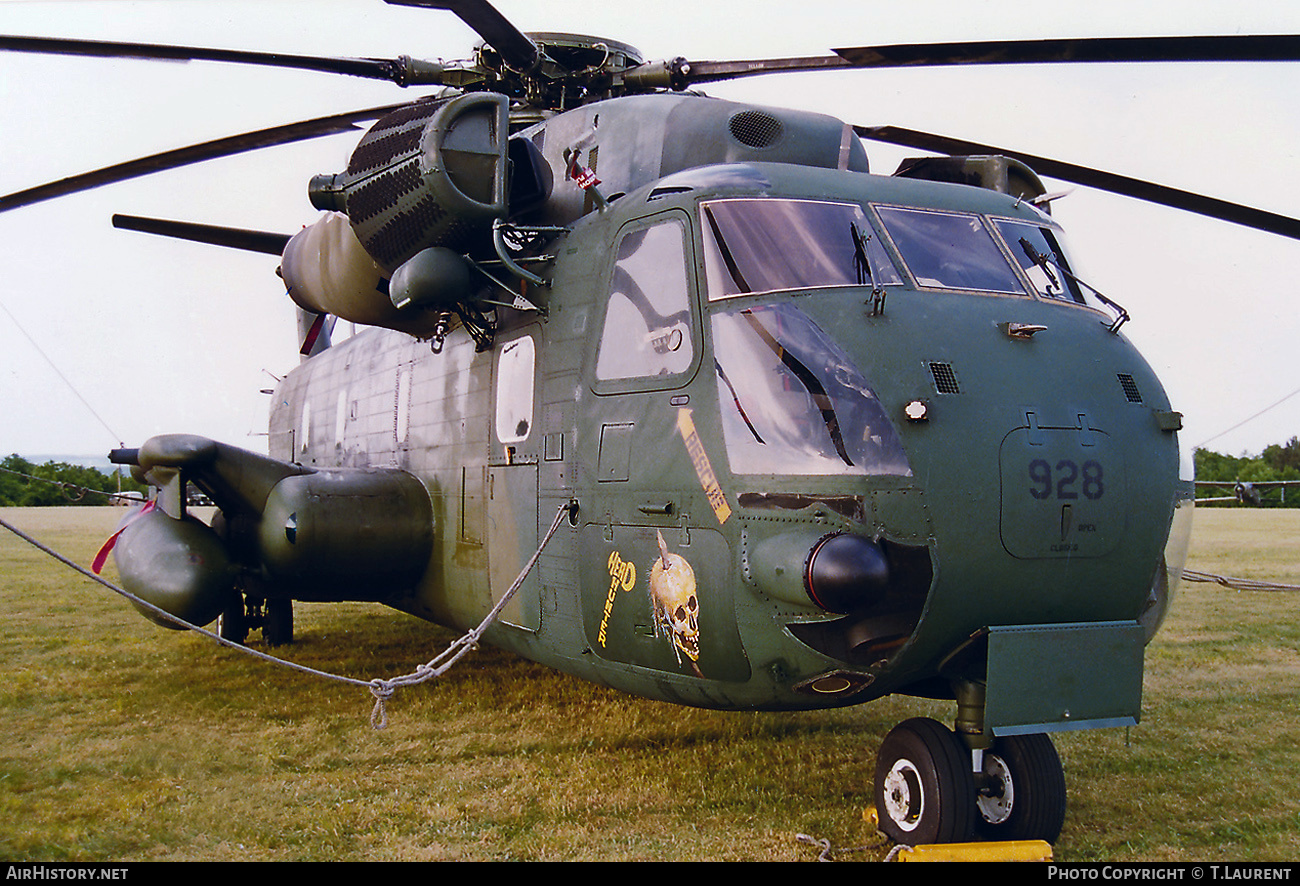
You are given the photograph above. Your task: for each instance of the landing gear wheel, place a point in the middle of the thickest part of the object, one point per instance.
(232, 623)
(924, 785)
(277, 623)
(1025, 795)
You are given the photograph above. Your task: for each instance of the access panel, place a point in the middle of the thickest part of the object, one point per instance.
(1063, 492)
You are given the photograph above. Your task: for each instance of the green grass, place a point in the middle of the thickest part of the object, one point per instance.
(124, 741)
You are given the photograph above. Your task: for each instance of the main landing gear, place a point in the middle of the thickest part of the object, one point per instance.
(931, 787)
(274, 616)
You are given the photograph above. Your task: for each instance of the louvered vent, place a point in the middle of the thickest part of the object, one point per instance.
(945, 380)
(1130, 387)
(757, 129)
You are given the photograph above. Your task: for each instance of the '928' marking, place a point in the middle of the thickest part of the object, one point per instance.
(1067, 480)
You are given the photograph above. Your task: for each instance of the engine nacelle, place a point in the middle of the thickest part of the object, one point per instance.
(430, 174)
(327, 271)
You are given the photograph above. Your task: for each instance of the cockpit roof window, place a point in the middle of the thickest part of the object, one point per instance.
(950, 250)
(768, 244)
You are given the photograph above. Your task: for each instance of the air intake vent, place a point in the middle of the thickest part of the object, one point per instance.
(757, 129)
(1130, 387)
(945, 380)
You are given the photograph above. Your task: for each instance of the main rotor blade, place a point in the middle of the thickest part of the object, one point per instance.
(1094, 178)
(516, 49)
(689, 72)
(235, 238)
(371, 68)
(1230, 48)
(222, 147)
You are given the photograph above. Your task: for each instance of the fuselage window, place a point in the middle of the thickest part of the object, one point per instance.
(304, 427)
(516, 367)
(647, 331)
(402, 406)
(948, 250)
(766, 245)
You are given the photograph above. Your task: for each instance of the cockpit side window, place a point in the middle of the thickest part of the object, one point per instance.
(648, 328)
(950, 250)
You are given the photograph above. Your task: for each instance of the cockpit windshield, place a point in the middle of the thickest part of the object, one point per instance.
(949, 250)
(1039, 253)
(767, 244)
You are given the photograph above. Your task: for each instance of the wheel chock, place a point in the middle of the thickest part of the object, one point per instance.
(1008, 850)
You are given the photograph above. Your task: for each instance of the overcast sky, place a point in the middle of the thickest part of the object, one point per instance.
(162, 336)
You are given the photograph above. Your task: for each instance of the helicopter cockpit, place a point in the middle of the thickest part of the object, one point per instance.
(763, 244)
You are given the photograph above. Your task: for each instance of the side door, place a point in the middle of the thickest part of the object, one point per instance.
(655, 568)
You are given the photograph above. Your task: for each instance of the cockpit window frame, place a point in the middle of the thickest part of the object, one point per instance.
(883, 262)
(1024, 290)
(1085, 299)
(624, 384)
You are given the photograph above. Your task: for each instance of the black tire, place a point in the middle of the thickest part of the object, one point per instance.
(232, 623)
(1026, 800)
(277, 621)
(924, 786)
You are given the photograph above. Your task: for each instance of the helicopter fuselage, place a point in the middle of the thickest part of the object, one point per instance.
(732, 389)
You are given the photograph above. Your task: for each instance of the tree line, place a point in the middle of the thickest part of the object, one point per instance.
(1276, 462)
(28, 485)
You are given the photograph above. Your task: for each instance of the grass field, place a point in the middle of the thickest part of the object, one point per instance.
(124, 741)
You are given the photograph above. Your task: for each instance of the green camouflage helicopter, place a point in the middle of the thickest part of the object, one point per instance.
(805, 424)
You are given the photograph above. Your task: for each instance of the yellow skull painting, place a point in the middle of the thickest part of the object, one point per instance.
(676, 605)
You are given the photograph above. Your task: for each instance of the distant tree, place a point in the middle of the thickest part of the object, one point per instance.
(1285, 456)
(23, 484)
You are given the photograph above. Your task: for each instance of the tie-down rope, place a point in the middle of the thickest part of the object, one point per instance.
(381, 689)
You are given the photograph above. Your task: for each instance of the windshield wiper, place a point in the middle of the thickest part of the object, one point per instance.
(822, 400)
(865, 269)
(1046, 263)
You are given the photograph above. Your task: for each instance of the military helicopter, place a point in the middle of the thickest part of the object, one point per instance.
(804, 423)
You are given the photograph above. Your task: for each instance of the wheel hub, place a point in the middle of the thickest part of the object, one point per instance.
(904, 798)
(996, 801)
